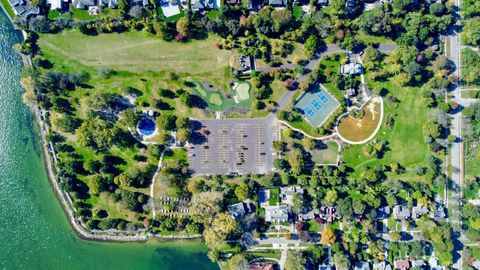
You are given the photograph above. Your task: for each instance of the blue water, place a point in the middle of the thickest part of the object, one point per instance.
(146, 126)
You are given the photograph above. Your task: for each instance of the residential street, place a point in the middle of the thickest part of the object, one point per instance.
(456, 153)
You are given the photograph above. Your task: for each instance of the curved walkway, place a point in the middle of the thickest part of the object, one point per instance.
(152, 186)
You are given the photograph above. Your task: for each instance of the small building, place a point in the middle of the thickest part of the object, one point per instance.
(239, 210)
(350, 3)
(202, 5)
(277, 3)
(433, 264)
(350, 92)
(286, 194)
(325, 267)
(328, 213)
(260, 266)
(476, 264)
(419, 264)
(401, 212)
(362, 266)
(277, 213)
(322, 2)
(233, 2)
(402, 264)
(382, 265)
(418, 211)
(83, 4)
(351, 69)
(306, 216)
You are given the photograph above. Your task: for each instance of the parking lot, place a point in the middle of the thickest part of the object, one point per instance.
(225, 146)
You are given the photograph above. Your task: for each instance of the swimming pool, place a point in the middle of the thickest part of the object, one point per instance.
(146, 126)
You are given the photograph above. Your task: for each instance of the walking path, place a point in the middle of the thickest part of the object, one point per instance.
(152, 186)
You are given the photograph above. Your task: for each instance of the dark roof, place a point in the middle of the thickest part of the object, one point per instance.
(277, 3)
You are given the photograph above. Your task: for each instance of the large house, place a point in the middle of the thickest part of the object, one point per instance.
(328, 213)
(351, 69)
(418, 211)
(277, 213)
(401, 212)
(286, 194)
(23, 9)
(203, 5)
(402, 264)
(277, 3)
(239, 210)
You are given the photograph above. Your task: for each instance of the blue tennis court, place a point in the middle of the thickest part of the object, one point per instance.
(309, 111)
(316, 104)
(322, 97)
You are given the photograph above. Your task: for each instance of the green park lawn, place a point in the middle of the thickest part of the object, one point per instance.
(217, 99)
(472, 159)
(137, 53)
(325, 156)
(405, 138)
(8, 8)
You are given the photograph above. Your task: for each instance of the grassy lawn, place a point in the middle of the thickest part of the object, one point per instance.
(179, 154)
(8, 8)
(314, 226)
(138, 52)
(368, 39)
(405, 138)
(326, 155)
(472, 159)
(470, 94)
(217, 100)
(274, 196)
(297, 12)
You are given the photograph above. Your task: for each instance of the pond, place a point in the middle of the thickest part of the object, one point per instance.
(146, 126)
(353, 130)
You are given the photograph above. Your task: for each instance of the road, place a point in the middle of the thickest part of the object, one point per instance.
(456, 151)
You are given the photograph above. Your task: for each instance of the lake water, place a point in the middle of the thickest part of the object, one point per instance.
(34, 233)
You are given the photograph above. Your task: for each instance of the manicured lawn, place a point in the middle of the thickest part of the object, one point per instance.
(405, 138)
(368, 39)
(297, 12)
(8, 8)
(326, 155)
(470, 94)
(314, 226)
(274, 196)
(179, 154)
(82, 15)
(218, 101)
(472, 158)
(138, 52)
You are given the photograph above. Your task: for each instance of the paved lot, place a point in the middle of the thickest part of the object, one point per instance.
(224, 146)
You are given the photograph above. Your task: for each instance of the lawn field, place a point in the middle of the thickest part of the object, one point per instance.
(218, 101)
(325, 155)
(405, 138)
(139, 52)
(472, 158)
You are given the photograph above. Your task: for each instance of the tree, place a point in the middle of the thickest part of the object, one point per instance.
(183, 26)
(130, 118)
(341, 261)
(431, 129)
(238, 262)
(216, 234)
(137, 12)
(437, 8)
(358, 207)
(331, 196)
(311, 46)
(308, 143)
(402, 78)
(123, 7)
(242, 191)
(471, 31)
(204, 206)
(395, 236)
(166, 121)
(282, 18)
(295, 260)
(470, 211)
(98, 184)
(328, 237)
(183, 135)
(295, 159)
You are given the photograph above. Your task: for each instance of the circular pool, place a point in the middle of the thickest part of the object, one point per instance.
(146, 126)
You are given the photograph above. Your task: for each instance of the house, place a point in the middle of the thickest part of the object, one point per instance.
(83, 4)
(277, 3)
(433, 264)
(382, 265)
(401, 212)
(202, 5)
(286, 194)
(306, 216)
(328, 213)
(233, 2)
(351, 92)
(362, 266)
(239, 210)
(383, 212)
(351, 69)
(322, 2)
(419, 264)
(277, 213)
(350, 3)
(402, 264)
(325, 267)
(110, 3)
(260, 266)
(418, 211)
(23, 9)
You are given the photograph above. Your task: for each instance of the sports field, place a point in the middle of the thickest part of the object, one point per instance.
(316, 106)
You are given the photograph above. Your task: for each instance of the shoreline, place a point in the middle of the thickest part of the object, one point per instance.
(82, 232)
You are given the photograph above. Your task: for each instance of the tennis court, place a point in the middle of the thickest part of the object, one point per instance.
(317, 105)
